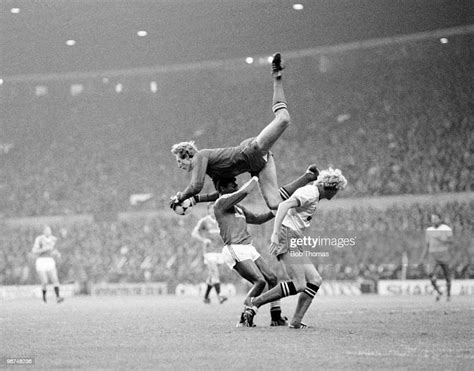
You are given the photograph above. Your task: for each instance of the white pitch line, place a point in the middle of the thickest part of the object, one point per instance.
(391, 311)
(408, 354)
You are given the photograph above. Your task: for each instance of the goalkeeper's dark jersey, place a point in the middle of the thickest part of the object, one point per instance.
(225, 163)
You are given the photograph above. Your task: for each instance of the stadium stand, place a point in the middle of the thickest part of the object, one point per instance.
(397, 119)
(123, 251)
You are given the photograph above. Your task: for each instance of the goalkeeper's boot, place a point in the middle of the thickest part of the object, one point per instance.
(277, 66)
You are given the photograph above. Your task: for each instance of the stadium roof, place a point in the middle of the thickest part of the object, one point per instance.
(58, 36)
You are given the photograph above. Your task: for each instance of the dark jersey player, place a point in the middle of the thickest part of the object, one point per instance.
(252, 155)
(238, 252)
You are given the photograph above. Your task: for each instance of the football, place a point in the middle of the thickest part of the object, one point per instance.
(184, 207)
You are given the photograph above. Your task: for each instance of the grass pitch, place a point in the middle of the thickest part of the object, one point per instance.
(171, 332)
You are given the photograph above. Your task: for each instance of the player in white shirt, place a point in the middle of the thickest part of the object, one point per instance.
(438, 240)
(292, 220)
(207, 231)
(45, 250)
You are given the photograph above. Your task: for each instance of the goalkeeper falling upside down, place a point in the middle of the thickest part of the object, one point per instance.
(252, 155)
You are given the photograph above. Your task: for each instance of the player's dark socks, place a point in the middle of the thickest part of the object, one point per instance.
(448, 288)
(278, 100)
(304, 301)
(279, 291)
(275, 310)
(433, 282)
(217, 286)
(207, 197)
(310, 175)
(56, 291)
(208, 291)
(44, 295)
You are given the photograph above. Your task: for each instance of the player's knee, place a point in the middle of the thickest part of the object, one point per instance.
(272, 280)
(300, 285)
(316, 280)
(273, 204)
(260, 284)
(259, 281)
(283, 117)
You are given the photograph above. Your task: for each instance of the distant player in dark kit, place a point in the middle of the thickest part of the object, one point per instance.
(438, 240)
(252, 155)
(238, 252)
(207, 231)
(292, 220)
(45, 251)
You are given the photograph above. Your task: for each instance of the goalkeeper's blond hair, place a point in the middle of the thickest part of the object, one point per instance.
(183, 148)
(331, 178)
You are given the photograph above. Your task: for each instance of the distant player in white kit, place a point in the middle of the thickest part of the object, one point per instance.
(44, 249)
(438, 238)
(207, 231)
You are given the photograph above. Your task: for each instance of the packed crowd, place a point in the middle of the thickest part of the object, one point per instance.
(396, 119)
(160, 248)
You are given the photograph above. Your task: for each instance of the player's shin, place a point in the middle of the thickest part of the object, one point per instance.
(287, 190)
(435, 285)
(275, 309)
(304, 301)
(280, 291)
(208, 291)
(279, 100)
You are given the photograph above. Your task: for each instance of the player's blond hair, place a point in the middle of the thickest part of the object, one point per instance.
(332, 178)
(183, 148)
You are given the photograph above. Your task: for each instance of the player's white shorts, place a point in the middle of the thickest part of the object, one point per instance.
(233, 254)
(213, 258)
(45, 264)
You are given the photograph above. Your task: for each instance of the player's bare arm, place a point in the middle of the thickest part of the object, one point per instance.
(229, 200)
(260, 218)
(280, 215)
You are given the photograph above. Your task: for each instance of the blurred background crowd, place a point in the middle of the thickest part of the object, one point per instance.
(160, 248)
(396, 119)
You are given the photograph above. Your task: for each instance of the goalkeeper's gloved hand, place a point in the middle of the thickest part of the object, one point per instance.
(175, 200)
